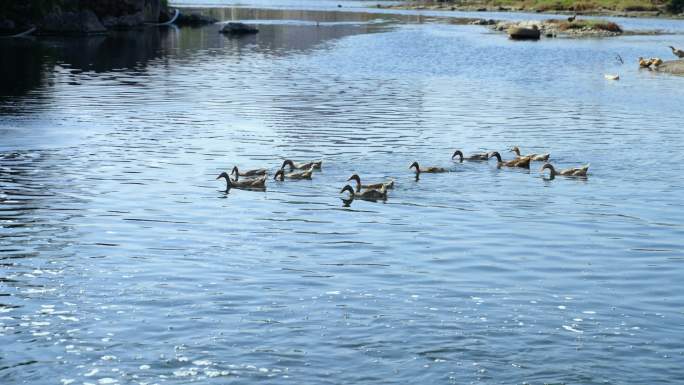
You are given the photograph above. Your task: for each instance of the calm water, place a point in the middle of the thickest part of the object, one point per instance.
(122, 260)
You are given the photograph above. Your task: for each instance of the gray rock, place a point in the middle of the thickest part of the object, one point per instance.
(238, 29)
(483, 22)
(675, 67)
(78, 23)
(522, 33)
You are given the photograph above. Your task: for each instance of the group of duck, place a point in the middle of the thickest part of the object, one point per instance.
(256, 179)
(656, 61)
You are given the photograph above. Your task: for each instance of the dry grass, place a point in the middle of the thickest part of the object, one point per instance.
(595, 24)
(564, 5)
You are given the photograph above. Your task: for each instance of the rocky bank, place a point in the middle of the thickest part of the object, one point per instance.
(78, 17)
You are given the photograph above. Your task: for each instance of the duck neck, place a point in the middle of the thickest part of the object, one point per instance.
(552, 170)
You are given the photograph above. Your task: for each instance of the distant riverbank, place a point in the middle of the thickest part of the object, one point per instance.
(622, 8)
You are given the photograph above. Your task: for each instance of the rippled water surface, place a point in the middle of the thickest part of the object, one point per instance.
(122, 260)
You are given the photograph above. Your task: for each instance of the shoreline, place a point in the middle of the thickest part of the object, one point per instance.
(450, 7)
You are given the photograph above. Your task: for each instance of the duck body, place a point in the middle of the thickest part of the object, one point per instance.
(369, 194)
(478, 157)
(373, 186)
(523, 162)
(430, 170)
(257, 183)
(645, 63)
(579, 171)
(306, 174)
(677, 52)
(534, 157)
(302, 166)
(255, 172)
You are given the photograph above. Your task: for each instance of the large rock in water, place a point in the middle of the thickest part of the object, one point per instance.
(238, 29)
(523, 33)
(675, 67)
(78, 23)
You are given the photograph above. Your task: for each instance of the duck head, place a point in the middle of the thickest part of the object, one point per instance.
(280, 173)
(349, 189)
(515, 149)
(497, 155)
(357, 178)
(415, 164)
(460, 155)
(550, 168)
(287, 162)
(225, 175)
(235, 171)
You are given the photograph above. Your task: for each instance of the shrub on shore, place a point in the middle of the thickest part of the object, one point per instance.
(675, 6)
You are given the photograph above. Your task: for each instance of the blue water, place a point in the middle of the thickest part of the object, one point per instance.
(123, 260)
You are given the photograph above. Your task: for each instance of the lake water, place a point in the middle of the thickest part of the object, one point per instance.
(123, 260)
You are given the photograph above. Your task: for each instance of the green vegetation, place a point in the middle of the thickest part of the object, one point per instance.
(675, 6)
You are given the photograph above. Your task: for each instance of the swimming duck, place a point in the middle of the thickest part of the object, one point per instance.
(370, 194)
(302, 166)
(535, 157)
(523, 162)
(579, 171)
(258, 183)
(431, 170)
(678, 52)
(472, 157)
(375, 186)
(644, 63)
(572, 18)
(306, 174)
(256, 172)
(611, 77)
(656, 61)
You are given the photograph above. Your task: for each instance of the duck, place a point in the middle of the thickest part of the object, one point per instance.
(572, 18)
(644, 63)
(369, 194)
(677, 52)
(374, 186)
(471, 157)
(257, 183)
(656, 61)
(611, 77)
(535, 157)
(523, 162)
(256, 172)
(431, 170)
(306, 174)
(302, 166)
(579, 171)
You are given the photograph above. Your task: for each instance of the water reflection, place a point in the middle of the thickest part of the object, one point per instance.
(29, 65)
